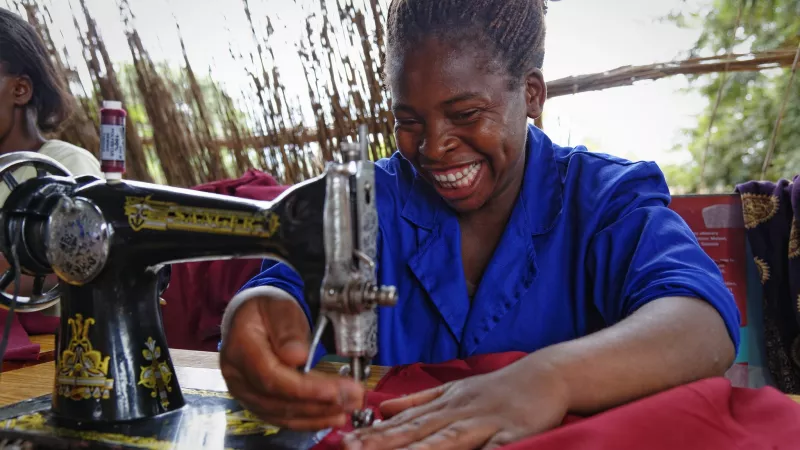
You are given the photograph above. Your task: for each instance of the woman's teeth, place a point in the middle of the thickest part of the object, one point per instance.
(458, 178)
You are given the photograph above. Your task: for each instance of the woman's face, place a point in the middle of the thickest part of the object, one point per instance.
(15, 94)
(6, 105)
(460, 123)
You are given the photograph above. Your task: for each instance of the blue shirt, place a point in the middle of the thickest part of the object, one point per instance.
(589, 241)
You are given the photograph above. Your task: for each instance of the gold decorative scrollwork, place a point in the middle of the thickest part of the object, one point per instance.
(763, 269)
(146, 213)
(156, 375)
(758, 208)
(207, 393)
(794, 240)
(28, 422)
(38, 423)
(82, 370)
(245, 423)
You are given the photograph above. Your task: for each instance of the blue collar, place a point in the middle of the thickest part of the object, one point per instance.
(541, 197)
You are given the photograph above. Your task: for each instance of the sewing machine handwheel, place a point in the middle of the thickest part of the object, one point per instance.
(38, 300)
(44, 166)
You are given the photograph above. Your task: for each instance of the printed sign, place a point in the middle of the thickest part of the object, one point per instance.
(718, 225)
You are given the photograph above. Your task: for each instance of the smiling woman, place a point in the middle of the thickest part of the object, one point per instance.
(498, 240)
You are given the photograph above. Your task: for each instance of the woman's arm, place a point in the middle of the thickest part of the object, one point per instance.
(665, 343)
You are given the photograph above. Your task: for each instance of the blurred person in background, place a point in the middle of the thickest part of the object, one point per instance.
(33, 102)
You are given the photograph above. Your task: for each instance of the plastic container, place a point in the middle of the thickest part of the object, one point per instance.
(112, 139)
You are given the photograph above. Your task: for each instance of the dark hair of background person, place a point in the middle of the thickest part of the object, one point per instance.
(23, 53)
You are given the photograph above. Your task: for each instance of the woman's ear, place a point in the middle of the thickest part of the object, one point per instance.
(22, 90)
(535, 93)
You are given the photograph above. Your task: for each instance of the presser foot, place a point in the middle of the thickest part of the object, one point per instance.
(363, 418)
(358, 369)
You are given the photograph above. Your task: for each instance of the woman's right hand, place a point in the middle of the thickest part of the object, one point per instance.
(265, 345)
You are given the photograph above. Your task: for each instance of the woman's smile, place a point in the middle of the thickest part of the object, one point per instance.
(456, 182)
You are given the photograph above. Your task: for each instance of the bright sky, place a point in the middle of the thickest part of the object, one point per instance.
(584, 36)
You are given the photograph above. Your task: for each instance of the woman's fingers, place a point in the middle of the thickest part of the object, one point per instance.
(249, 349)
(260, 359)
(395, 406)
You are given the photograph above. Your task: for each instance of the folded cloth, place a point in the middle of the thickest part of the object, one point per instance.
(771, 213)
(708, 414)
(36, 323)
(20, 347)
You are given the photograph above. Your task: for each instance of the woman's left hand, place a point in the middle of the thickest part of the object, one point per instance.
(481, 412)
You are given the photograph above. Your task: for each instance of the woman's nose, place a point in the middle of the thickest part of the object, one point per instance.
(436, 145)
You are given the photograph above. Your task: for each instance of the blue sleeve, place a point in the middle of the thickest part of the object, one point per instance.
(644, 251)
(283, 277)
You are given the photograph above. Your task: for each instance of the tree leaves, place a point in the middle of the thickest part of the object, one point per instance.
(750, 101)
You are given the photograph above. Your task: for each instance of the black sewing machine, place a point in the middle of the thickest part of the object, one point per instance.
(107, 242)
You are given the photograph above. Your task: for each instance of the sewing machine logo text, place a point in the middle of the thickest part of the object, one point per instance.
(144, 213)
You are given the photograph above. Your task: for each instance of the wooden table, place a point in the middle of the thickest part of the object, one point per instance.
(47, 353)
(195, 370)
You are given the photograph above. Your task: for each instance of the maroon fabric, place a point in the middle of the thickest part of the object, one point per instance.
(37, 323)
(404, 380)
(708, 414)
(199, 292)
(20, 347)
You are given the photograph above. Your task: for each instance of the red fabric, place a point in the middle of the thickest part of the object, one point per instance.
(199, 292)
(37, 323)
(708, 414)
(20, 347)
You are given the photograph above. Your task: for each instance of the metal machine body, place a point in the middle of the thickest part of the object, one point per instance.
(108, 241)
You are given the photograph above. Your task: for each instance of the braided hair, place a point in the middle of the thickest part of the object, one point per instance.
(23, 53)
(512, 30)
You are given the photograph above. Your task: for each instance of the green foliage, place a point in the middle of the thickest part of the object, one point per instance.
(750, 101)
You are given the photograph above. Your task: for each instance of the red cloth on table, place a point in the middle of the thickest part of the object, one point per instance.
(199, 292)
(37, 323)
(20, 347)
(708, 414)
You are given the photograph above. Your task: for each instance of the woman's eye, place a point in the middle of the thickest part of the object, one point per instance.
(466, 115)
(405, 122)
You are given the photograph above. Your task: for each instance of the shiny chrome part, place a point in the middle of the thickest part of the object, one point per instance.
(77, 241)
(363, 418)
(349, 292)
(322, 322)
(11, 162)
(44, 166)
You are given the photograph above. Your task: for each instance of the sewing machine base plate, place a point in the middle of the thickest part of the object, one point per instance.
(210, 420)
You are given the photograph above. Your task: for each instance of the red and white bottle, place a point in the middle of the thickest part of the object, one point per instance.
(112, 140)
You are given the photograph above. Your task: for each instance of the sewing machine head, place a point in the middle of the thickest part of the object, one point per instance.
(109, 241)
